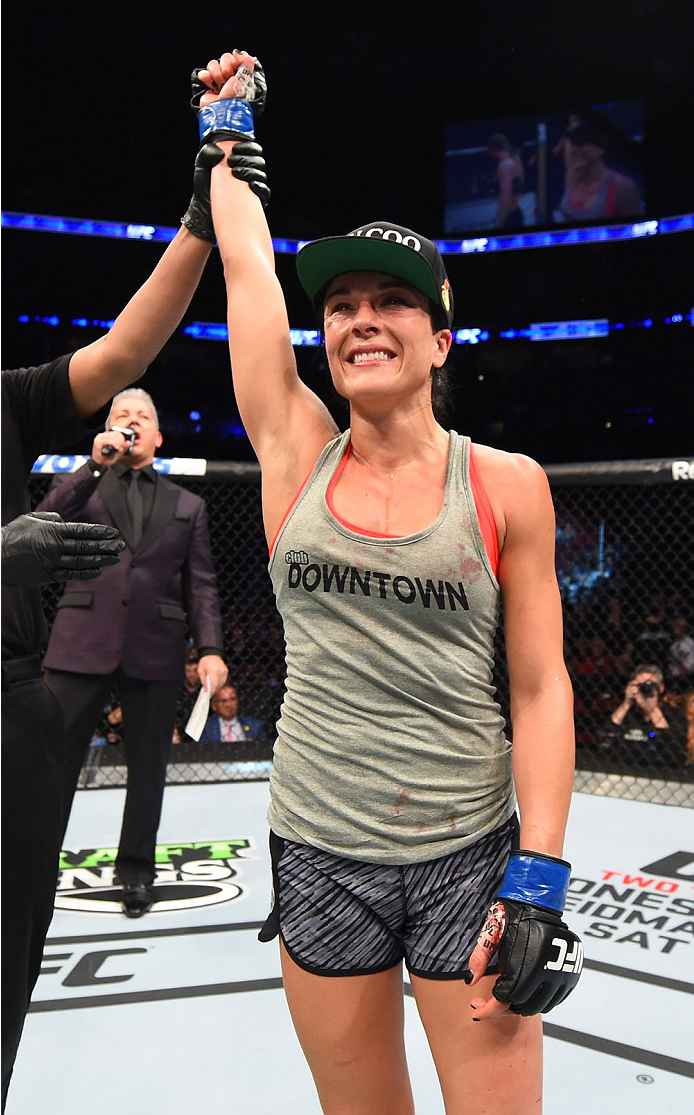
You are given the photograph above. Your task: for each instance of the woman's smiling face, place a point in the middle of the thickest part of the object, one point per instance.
(379, 338)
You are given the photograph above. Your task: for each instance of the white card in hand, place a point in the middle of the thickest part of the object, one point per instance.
(198, 716)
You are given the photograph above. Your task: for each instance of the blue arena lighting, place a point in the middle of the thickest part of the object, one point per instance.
(305, 337)
(685, 223)
(568, 330)
(194, 415)
(74, 226)
(217, 331)
(468, 335)
(233, 427)
(207, 331)
(53, 320)
(555, 238)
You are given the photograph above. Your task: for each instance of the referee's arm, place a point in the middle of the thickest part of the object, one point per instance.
(100, 370)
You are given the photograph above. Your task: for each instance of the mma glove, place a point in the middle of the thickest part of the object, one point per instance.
(540, 959)
(39, 548)
(231, 118)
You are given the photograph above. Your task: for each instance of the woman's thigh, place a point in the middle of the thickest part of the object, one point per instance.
(483, 1067)
(351, 1031)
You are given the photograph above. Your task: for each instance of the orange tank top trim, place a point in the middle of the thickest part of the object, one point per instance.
(289, 510)
(482, 505)
(484, 514)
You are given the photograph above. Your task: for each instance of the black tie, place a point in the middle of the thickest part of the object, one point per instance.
(135, 507)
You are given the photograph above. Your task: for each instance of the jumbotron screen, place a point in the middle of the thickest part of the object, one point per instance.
(581, 166)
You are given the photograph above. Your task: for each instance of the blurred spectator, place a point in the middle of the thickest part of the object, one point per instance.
(614, 629)
(596, 660)
(593, 677)
(652, 639)
(114, 724)
(225, 725)
(642, 728)
(240, 653)
(681, 656)
(579, 623)
(109, 728)
(239, 643)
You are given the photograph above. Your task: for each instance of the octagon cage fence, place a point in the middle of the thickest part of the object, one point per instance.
(624, 563)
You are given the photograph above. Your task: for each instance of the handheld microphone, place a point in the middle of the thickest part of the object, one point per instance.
(108, 450)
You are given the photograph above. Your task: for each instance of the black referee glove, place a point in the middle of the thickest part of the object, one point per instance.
(39, 548)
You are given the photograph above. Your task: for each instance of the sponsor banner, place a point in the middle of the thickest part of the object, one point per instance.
(650, 908)
(631, 894)
(189, 875)
(54, 463)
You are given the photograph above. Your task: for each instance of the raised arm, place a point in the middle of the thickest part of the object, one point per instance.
(286, 422)
(121, 356)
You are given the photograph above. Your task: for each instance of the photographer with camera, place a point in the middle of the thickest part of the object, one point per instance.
(651, 731)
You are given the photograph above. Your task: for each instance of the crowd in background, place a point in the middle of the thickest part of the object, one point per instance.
(245, 710)
(607, 640)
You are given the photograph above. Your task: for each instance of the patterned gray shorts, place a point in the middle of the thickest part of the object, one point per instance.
(342, 917)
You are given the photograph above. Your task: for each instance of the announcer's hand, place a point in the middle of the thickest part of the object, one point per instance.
(211, 668)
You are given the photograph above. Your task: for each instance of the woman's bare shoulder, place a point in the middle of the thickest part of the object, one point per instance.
(500, 466)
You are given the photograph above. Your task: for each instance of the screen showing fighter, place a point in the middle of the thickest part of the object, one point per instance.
(579, 166)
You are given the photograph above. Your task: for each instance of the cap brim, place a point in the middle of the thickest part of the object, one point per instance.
(321, 260)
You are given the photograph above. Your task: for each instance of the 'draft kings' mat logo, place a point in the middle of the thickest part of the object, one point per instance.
(188, 876)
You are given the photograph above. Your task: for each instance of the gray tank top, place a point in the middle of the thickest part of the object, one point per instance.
(603, 206)
(390, 744)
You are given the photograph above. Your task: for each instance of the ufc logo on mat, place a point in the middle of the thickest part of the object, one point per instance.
(567, 961)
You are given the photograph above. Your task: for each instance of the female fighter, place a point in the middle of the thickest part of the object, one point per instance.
(393, 807)
(511, 176)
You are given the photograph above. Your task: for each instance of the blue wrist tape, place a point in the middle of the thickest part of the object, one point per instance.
(229, 115)
(537, 880)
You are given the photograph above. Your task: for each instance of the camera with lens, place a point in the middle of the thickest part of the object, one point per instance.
(648, 688)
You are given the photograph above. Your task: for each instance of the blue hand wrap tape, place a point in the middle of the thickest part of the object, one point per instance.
(229, 115)
(536, 880)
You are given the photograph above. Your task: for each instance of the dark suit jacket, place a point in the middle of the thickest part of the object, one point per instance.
(134, 614)
(252, 729)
